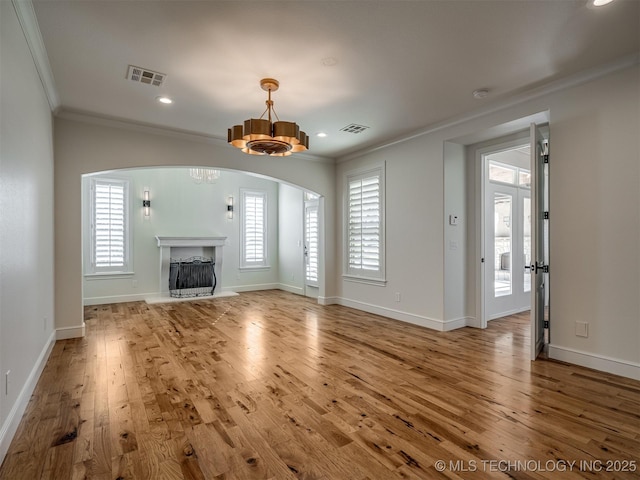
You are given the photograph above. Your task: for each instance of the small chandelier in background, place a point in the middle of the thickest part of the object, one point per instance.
(261, 136)
(207, 175)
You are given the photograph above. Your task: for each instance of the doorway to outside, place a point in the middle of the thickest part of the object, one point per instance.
(507, 177)
(514, 232)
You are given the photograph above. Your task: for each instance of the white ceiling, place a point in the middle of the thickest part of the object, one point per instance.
(401, 66)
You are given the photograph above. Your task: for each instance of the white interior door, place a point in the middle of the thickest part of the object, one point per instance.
(540, 240)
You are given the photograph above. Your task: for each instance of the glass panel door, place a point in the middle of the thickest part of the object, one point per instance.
(526, 242)
(502, 243)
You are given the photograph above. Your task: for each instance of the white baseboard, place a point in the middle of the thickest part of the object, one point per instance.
(15, 415)
(138, 297)
(329, 300)
(473, 322)
(616, 366)
(253, 288)
(455, 323)
(291, 289)
(420, 320)
(70, 332)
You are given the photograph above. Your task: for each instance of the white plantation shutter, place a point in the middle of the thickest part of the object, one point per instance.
(311, 242)
(254, 231)
(109, 225)
(365, 235)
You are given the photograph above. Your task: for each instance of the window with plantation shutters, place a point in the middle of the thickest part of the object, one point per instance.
(254, 229)
(365, 224)
(311, 242)
(109, 225)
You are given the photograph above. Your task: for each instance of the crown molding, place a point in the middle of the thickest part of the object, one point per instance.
(93, 118)
(580, 78)
(29, 24)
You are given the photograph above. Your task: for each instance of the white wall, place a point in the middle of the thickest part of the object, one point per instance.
(290, 238)
(26, 229)
(414, 235)
(96, 145)
(180, 207)
(455, 236)
(595, 221)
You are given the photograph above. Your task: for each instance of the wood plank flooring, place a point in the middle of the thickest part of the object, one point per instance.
(270, 385)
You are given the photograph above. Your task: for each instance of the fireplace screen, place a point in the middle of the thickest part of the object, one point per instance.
(192, 277)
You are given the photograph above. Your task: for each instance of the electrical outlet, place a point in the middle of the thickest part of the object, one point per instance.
(397, 296)
(134, 283)
(582, 329)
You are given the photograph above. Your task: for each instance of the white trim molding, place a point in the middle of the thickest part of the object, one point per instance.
(10, 426)
(422, 321)
(579, 78)
(603, 363)
(291, 289)
(29, 24)
(253, 288)
(95, 118)
(65, 333)
(455, 323)
(138, 297)
(328, 300)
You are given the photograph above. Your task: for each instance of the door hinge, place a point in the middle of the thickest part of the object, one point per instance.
(546, 215)
(546, 324)
(535, 268)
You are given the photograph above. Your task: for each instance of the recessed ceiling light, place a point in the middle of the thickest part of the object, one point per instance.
(481, 93)
(165, 100)
(600, 3)
(321, 134)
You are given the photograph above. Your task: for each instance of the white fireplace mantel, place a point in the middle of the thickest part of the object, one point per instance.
(190, 241)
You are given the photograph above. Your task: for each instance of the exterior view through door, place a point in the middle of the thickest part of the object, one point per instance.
(507, 231)
(516, 233)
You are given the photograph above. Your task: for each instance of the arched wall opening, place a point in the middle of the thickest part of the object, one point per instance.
(87, 147)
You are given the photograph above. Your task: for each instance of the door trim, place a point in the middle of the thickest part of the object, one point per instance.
(513, 141)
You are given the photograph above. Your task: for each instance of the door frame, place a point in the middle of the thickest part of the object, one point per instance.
(495, 145)
(499, 144)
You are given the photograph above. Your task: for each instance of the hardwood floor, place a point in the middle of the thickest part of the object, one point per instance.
(269, 385)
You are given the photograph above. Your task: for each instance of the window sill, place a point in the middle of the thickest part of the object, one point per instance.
(255, 269)
(108, 275)
(379, 282)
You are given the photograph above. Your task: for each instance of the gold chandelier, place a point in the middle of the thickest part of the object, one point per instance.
(261, 136)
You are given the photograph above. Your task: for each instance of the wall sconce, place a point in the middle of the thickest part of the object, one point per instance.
(146, 202)
(230, 207)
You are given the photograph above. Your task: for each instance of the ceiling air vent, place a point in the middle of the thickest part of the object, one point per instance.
(353, 128)
(144, 75)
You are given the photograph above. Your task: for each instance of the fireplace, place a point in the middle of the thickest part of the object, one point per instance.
(192, 277)
(190, 266)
